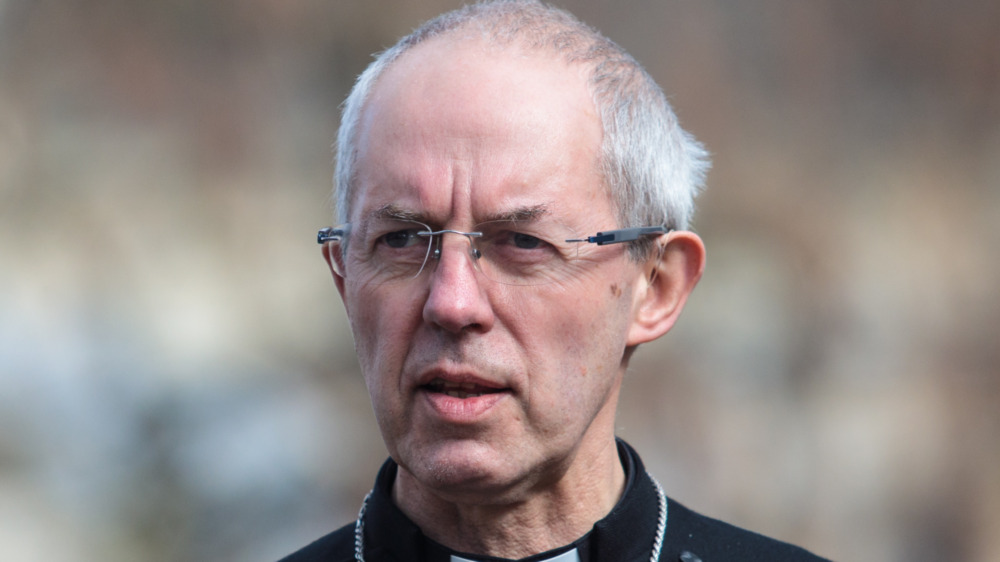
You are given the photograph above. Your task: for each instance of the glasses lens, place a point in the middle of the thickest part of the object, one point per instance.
(525, 252)
(390, 249)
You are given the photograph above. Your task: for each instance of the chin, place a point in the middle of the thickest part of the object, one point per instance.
(462, 467)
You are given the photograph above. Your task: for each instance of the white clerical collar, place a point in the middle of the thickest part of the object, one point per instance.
(568, 556)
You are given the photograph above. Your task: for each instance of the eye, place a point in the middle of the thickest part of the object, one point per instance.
(516, 241)
(516, 246)
(525, 241)
(400, 238)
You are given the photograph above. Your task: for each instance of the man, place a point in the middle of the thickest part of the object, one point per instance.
(513, 191)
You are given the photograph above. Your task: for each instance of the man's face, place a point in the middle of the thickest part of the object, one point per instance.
(454, 134)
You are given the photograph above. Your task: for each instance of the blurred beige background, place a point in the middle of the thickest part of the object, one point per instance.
(176, 377)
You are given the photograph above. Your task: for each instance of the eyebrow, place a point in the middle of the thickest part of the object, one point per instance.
(395, 212)
(519, 214)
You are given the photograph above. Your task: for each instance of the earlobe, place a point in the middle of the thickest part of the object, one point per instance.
(668, 279)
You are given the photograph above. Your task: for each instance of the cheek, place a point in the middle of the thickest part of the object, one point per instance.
(584, 318)
(381, 322)
(580, 341)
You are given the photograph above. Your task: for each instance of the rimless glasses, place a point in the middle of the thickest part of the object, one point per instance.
(513, 252)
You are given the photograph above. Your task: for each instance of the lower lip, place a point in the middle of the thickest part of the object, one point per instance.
(462, 410)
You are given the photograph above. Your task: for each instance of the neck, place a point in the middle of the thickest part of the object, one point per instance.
(548, 514)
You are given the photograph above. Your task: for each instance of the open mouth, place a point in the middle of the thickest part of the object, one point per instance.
(459, 389)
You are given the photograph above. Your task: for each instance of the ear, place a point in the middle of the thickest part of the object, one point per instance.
(669, 276)
(334, 259)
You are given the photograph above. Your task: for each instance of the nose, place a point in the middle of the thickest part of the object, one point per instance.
(456, 300)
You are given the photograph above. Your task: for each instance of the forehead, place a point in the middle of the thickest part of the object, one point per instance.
(460, 127)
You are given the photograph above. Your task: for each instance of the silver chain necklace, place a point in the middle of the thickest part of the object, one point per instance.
(661, 525)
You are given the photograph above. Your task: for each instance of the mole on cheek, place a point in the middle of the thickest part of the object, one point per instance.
(616, 290)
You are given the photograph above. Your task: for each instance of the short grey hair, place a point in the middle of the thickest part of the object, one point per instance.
(653, 168)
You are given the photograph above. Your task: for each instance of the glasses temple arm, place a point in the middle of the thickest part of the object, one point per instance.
(621, 235)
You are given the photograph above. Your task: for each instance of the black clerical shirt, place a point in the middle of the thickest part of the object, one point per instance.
(626, 534)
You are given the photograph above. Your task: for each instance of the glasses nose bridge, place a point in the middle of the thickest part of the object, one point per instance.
(437, 244)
